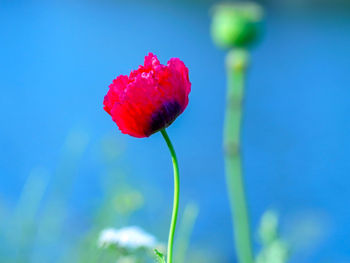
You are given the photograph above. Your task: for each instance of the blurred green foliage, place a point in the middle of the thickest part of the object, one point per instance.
(274, 249)
(35, 229)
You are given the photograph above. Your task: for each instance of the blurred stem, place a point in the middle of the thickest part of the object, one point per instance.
(176, 196)
(187, 222)
(237, 61)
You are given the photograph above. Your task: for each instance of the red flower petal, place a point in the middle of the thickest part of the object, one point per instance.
(150, 98)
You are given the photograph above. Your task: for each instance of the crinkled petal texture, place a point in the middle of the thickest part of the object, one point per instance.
(150, 98)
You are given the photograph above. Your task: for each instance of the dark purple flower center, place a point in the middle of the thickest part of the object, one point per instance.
(165, 116)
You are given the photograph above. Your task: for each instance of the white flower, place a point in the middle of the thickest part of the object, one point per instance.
(127, 238)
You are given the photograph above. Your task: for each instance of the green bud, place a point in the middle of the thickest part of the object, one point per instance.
(236, 25)
(268, 227)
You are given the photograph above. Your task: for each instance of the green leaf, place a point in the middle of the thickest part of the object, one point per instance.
(160, 256)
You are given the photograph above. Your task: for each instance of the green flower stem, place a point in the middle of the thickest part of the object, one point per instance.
(237, 61)
(176, 196)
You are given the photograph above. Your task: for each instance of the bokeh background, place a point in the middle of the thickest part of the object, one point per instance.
(67, 172)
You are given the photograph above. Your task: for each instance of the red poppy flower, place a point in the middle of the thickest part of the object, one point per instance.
(150, 98)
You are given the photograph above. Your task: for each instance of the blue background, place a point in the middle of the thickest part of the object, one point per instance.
(57, 59)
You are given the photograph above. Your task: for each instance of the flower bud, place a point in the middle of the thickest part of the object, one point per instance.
(236, 25)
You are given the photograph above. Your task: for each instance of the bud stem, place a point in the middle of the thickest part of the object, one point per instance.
(237, 61)
(176, 196)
